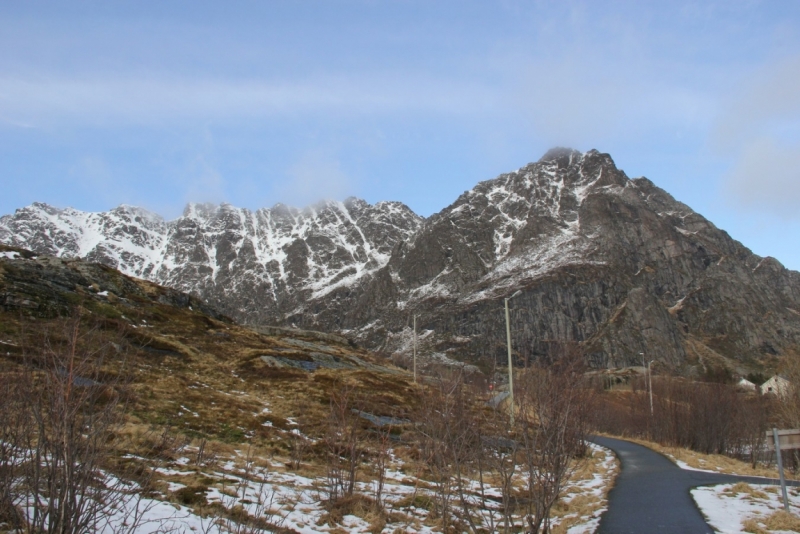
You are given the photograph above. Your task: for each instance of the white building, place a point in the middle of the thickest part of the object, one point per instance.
(746, 385)
(777, 385)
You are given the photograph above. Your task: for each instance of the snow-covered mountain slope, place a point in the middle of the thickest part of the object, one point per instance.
(613, 264)
(254, 265)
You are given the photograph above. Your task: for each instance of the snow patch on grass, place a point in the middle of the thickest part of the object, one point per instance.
(740, 508)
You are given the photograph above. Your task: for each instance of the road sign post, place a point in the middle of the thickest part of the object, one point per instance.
(783, 440)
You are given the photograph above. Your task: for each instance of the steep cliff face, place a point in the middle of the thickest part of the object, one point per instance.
(614, 264)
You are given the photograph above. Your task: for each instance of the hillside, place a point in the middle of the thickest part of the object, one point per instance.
(189, 422)
(188, 358)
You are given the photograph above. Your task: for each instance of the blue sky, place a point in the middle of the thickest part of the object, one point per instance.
(161, 103)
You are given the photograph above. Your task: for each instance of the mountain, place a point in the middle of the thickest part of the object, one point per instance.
(254, 266)
(613, 264)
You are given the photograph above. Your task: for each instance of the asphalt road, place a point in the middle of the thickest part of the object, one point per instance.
(651, 494)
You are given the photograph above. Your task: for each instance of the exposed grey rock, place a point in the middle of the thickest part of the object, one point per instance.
(255, 266)
(614, 264)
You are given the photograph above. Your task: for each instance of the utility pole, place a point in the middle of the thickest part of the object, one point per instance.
(415, 349)
(650, 382)
(645, 370)
(510, 361)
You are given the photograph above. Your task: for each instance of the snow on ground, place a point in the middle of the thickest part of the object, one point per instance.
(684, 465)
(728, 508)
(595, 489)
(148, 516)
(266, 489)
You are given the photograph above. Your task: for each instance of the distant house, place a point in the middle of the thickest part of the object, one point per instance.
(777, 385)
(746, 385)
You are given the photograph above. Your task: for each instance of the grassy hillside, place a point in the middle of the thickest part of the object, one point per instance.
(222, 426)
(184, 364)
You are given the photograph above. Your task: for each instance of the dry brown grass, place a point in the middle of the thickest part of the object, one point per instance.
(179, 357)
(779, 521)
(711, 462)
(584, 503)
(358, 505)
(752, 526)
(782, 520)
(747, 489)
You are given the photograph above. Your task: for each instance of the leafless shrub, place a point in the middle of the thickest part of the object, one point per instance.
(14, 429)
(252, 507)
(298, 448)
(381, 461)
(200, 458)
(452, 449)
(61, 438)
(711, 418)
(788, 401)
(343, 441)
(498, 455)
(552, 424)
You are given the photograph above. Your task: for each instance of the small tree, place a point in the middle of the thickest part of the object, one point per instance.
(450, 443)
(343, 440)
(60, 422)
(15, 426)
(381, 461)
(551, 427)
(500, 455)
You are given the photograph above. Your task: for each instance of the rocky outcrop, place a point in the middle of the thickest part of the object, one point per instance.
(46, 287)
(611, 263)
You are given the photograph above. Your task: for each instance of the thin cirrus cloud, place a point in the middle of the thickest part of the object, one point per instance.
(759, 129)
(770, 100)
(766, 178)
(581, 100)
(315, 176)
(25, 101)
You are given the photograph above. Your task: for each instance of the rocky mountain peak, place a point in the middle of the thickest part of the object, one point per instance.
(251, 264)
(561, 155)
(602, 260)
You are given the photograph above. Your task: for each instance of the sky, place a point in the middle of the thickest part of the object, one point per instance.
(157, 104)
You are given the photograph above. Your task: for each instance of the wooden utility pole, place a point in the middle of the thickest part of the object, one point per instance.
(510, 368)
(510, 363)
(415, 349)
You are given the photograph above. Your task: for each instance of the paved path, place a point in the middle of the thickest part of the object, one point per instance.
(651, 494)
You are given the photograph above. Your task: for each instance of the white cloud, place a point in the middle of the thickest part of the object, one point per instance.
(160, 99)
(768, 104)
(766, 178)
(760, 130)
(316, 176)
